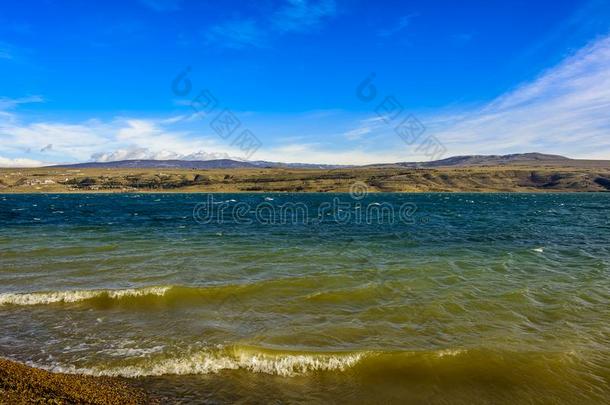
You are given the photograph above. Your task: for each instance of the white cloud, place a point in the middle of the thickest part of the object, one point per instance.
(293, 16)
(75, 141)
(10, 103)
(118, 139)
(403, 22)
(302, 15)
(566, 110)
(315, 153)
(357, 133)
(20, 162)
(376, 124)
(237, 34)
(6, 51)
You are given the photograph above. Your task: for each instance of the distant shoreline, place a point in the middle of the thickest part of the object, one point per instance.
(24, 384)
(497, 179)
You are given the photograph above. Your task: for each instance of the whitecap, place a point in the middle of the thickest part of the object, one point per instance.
(449, 352)
(39, 298)
(209, 362)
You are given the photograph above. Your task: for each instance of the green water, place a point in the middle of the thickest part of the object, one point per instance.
(473, 298)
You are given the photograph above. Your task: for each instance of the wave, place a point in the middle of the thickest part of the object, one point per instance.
(452, 364)
(256, 360)
(169, 294)
(51, 297)
(286, 364)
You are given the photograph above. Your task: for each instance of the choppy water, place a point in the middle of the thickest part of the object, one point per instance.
(475, 298)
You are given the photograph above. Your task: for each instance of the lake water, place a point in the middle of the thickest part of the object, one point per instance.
(303, 298)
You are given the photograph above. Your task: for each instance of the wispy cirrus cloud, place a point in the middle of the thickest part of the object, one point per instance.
(10, 103)
(366, 126)
(357, 133)
(294, 16)
(302, 15)
(237, 34)
(566, 110)
(20, 162)
(401, 25)
(6, 51)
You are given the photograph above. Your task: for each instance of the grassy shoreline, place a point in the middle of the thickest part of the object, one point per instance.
(278, 180)
(20, 384)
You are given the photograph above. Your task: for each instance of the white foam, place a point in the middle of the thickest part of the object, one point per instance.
(289, 365)
(206, 362)
(450, 352)
(39, 298)
(132, 351)
(211, 361)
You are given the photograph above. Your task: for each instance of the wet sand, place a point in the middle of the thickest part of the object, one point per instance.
(20, 384)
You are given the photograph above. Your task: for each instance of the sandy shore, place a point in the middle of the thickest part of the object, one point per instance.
(20, 384)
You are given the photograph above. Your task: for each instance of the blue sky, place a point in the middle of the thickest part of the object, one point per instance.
(81, 81)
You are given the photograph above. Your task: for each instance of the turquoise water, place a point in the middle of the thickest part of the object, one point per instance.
(458, 298)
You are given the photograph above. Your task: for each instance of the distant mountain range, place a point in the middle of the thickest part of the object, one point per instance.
(533, 158)
(520, 159)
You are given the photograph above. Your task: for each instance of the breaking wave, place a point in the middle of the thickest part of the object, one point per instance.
(256, 360)
(286, 364)
(51, 297)
(167, 294)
